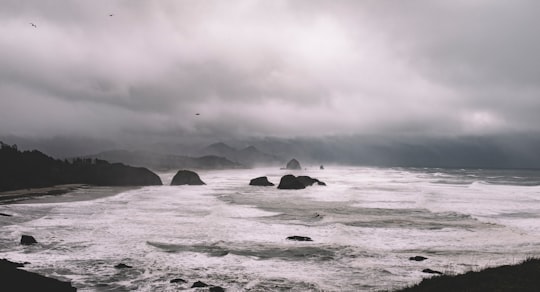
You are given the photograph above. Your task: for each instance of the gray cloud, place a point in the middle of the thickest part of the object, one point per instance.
(258, 68)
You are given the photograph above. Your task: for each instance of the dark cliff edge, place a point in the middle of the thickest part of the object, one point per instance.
(521, 277)
(33, 169)
(14, 279)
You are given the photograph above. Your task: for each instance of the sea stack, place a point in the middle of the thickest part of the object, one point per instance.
(261, 181)
(293, 164)
(186, 177)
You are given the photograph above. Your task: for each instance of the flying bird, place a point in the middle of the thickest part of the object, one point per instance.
(197, 114)
(33, 25)
(111, 14)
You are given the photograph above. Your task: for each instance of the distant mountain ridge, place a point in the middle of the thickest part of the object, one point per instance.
(159, 161)
(249, 156)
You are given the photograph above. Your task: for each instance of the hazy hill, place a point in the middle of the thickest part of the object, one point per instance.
(159, 161)
(249, 156)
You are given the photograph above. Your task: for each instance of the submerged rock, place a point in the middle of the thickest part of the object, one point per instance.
(261, 181)
(309, 181)
(28, 240)
(290, 182)
(216, 289)
(186, 177)
(299, 238)
(123, 266)
(430, 271)
(178, 280)
(5, 215)
(293, 164)
(418, 258)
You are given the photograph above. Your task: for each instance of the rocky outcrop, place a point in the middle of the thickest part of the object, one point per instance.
(178, 280)
(290, 182)
(299, 238)
(14, 279)
(186, 177)
(28, 240)
(309, 181)
(261, 181)
(293, 164)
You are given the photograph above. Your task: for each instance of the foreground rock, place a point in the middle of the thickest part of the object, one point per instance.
(28, 240)
(299, 238)
(13, 279)
(293, 164)
(261, 181)
(290, 182)
(199, 284)
(186, 177)
(178, 280)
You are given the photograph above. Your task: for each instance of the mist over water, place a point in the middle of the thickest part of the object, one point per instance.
(365, 225)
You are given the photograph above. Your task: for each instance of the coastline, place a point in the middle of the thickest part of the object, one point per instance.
(60, 193)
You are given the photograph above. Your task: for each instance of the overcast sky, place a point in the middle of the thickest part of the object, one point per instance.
(268, 68)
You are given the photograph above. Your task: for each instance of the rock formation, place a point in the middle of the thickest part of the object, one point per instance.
(28, 240)
(186, 177)
(290, 182)
(293, 164)
(299, 238)
(260, 181)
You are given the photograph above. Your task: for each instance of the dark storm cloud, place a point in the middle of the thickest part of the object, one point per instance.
(256, 68)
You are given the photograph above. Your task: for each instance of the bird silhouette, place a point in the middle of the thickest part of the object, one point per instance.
(111, 14)
(33, 25)
(197, 114)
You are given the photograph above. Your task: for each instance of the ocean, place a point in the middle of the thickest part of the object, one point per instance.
(365, 224)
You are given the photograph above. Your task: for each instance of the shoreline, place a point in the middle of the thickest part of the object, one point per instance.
(60, 193)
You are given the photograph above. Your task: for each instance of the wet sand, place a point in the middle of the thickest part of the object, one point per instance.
(60, 193)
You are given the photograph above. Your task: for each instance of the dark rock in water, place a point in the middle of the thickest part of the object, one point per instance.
(178, 280)
(430, 271)
(418, 258)
(321, 167)
(293, 164)
(28, 240)
(260, 181)
(13, 279)
(299, 238)
(186, 177)
(5, 215)
(306, 180)
(290, 182)
(123, 266)
(216, 289)
(199, 284)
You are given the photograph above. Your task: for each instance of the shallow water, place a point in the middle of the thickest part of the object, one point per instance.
(365, 225)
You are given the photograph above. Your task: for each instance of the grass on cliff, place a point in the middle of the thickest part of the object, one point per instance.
(520, 277)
